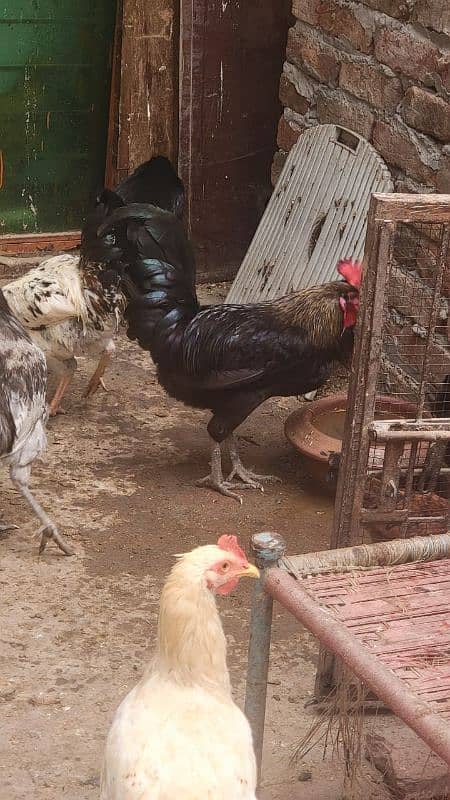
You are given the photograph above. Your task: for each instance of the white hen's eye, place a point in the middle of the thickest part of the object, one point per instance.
(225, 566)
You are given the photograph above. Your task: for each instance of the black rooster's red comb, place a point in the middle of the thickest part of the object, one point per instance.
(351, 271)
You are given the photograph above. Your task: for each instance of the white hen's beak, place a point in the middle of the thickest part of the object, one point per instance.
(250, 571)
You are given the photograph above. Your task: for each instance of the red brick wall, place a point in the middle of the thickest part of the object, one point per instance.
(381, 68)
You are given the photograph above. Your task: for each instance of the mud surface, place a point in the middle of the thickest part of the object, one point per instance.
(118, 478)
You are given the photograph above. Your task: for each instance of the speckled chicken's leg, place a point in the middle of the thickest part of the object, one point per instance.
(54, 408)
(20, 477)
(97, 378)
(251, 480)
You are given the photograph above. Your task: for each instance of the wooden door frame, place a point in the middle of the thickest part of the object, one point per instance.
(190, 13)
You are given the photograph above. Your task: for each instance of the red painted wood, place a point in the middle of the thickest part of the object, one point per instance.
(232, 54)
(401, 615)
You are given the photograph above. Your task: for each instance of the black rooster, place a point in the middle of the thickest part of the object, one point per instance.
(227, 358)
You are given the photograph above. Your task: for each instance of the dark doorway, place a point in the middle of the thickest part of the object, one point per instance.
(232, 52)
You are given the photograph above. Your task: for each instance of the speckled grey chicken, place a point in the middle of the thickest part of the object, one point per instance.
(72, 304)
(23, 413)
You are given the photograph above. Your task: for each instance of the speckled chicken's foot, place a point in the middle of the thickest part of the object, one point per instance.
(215, 479)
(49, 529)
(97, 378)
(7, 527)
(61, 389)
(251, 480)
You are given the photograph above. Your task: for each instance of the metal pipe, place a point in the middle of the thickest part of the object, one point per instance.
(267, 548)
(431, 728)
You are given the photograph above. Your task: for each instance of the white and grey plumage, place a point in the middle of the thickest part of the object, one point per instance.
(23, 413)
(68, 312)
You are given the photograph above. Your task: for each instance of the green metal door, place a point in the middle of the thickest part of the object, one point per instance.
(55, 64)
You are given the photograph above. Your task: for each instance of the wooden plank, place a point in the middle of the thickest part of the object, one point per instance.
(111, 175)
(21, 243)
(412, 208)
(148, 115)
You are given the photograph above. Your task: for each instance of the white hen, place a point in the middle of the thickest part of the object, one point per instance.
(178, 735)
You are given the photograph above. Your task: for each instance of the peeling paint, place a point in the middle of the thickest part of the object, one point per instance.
(221, 92)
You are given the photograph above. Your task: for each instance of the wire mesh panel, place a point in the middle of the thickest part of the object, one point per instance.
(394, 480)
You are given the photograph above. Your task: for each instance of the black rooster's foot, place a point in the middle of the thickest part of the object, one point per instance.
(221, 486)
(250, 480)
(50, 532)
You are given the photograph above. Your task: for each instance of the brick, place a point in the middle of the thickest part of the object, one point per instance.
(306, 10)
(290, 97)
(413, 346)
(405, 51)
(400, 148)
(278, 163)
(399, 9)
(288, 133)
(335, 107)
(307, 50)
(403, 290)
(371, 83)
(346, 21)
(442, 179)
(433, 14)
(417, 251)
(406, 185)
(427, 112)
(443, 76)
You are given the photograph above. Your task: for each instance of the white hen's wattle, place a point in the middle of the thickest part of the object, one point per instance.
(178, 735)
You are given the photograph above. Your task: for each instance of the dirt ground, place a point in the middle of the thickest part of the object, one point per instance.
(76, 632)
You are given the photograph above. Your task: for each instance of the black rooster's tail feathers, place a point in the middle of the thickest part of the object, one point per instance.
(161, 268)
(154, 182)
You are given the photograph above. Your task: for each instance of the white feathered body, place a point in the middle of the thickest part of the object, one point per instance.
(23, 383)
(170, 741)
(64, 307)
(178, 735)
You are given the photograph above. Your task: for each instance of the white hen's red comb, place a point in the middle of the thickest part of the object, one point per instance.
(229, 542)
(351, 271)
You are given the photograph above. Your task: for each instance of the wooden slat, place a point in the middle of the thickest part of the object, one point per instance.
(14, 244)
(400, 615)
(148, 85)
(412, 208)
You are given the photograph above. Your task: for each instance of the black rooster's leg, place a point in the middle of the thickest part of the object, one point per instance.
(19, 478)
(215, 479)
(250, 480)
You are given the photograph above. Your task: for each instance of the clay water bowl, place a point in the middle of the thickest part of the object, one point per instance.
(316, 430)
